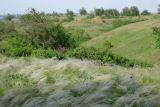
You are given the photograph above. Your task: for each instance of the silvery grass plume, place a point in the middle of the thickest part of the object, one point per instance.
(33, 82)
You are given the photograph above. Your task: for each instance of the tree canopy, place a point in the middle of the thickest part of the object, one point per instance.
(83, 11)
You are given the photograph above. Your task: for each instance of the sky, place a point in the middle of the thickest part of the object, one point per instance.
(21, 6)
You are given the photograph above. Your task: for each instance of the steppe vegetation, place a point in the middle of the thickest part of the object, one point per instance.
(103, 58)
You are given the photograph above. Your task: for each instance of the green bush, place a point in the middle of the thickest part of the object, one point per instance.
(108, 44)
(121, 22)
(2, 27)
(79, 35)
(105, 56)
(145, 13)
(156, 31)
(43, 32)
(36, 36)
(17, 46)
(68, 19)
(47, 53)
(6, 27)
(90, 16)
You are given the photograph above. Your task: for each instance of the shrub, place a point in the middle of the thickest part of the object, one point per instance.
(37, 36)
(132, 11)
(17, 46)
(121, 22)
(79, 35)
(83, 11)
(58, 37)
(105, 56)
(145, 12)
(6, 27)
(108, 44)
(90, 15)
(2, 27)
(156, 31)
(47, 53)
(9, 17)
(68, 19)
(69, 16)
(111, 13)
(42, 32)
(55, 19)
(99, 11)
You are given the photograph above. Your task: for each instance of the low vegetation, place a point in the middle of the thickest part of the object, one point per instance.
(74, 83)
(121, 22)
(105, 56)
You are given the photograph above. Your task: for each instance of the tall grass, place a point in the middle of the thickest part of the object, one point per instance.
(76, 83)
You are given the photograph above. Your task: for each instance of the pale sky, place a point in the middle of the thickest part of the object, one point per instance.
(20, 6)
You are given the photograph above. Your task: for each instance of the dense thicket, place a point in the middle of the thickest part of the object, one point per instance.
(43, 32)
(99, 11)
(107, 12)
(111, 13)
(132, 11)
(105, 56)
(35, 31)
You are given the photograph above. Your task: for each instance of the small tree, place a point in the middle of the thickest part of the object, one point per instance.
(99, 12)
(82, 11)
(44, 33)
(145, 12)
(70, 15)
(126, 11)
(9, 17)
(111, 13)
(134, 11)
(55, 13)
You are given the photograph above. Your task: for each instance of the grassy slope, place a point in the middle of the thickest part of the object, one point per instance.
(93, 30)
(133, 41)
(96, 26)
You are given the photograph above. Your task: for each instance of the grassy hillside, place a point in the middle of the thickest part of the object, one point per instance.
(134, 41)
(32, 82)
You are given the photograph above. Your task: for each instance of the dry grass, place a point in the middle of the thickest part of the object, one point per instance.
(76, 83)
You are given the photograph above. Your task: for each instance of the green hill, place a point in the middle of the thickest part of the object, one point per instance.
(134, 41)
